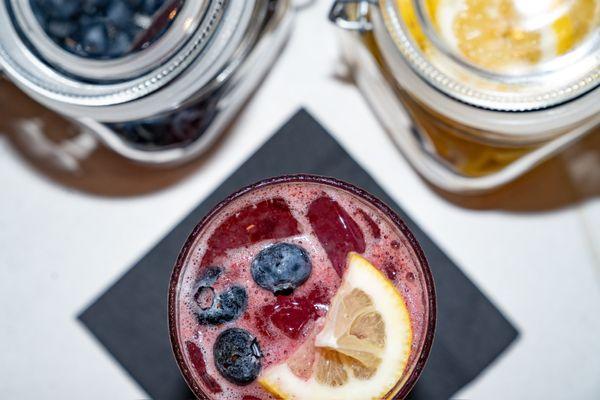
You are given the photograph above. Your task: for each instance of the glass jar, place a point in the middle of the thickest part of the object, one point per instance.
(476, 93)
(155, 80)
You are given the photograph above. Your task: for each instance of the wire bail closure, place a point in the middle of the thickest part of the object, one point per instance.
(357, 19)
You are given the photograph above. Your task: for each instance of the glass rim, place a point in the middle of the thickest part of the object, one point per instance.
(429, 286)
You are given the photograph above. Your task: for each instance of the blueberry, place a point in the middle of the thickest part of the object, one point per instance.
(120, 45)
(185, 123)
(152, 131)
(209, 276)
(225, 306)
(204, 297)
(95, 39)
(217, 308)
(133, 31)
(61, 29)
(281, 268)
(232, 302)
(237, 356)
(85, 20)
(134, 4)
(151, 6)
(93, 7)
(62, 9)
(119, 14)
(74, 47)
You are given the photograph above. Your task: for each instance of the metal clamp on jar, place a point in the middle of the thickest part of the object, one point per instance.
(156, 81)
(476, 93)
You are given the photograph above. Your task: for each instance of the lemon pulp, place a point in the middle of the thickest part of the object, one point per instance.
(361, 351)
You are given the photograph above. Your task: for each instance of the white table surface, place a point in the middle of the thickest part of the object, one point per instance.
(60, 247)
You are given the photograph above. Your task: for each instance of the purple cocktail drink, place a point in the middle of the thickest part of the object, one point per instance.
(300, 285)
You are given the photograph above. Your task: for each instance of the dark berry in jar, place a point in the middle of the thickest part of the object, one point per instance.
(151, 6)
(121, 44)
(237, 356)
(281, 268)
(93, 6)
(95, 39)
(119, 14)
(186, 121)
(62, 9)
(134, 4)
(61, 29)
(74, 25)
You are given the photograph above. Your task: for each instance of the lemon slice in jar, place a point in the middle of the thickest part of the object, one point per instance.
(509, 34)
(361, 351)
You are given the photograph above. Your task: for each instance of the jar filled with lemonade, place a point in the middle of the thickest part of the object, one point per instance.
(477, 92)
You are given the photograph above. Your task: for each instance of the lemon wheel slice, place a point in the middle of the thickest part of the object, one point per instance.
(503, 34)
(361, 351)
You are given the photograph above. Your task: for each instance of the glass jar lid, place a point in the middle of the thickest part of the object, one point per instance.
(505, 55)
(76, 55)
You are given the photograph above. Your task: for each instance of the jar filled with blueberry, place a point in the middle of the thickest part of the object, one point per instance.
(154, 80)
(104, 29)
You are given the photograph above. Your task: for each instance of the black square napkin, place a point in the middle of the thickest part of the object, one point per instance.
(130, 318)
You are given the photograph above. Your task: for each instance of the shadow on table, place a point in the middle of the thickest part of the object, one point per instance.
(40, 136)
(570, 177)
